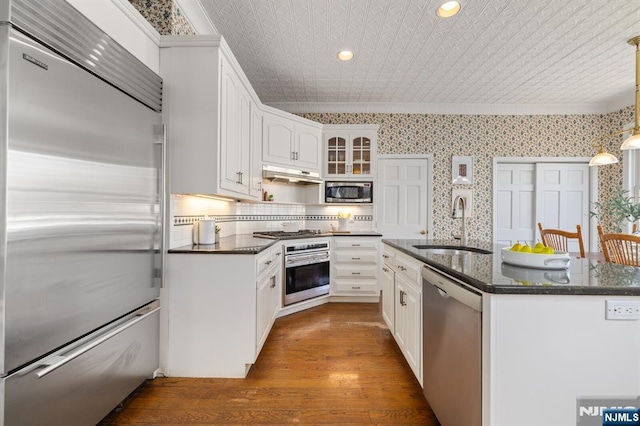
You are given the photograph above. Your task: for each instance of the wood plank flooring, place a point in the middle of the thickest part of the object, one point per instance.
(335, 364)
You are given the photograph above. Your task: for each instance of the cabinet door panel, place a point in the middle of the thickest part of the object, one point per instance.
(408, 332)
(388, 297)
(264, 309)
(277, 144)
(230, 150)
(255, 189)
(244, 132)
(307, 149)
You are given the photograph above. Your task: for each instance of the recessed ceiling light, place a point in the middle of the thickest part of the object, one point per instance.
(448, 9)
(345, 55)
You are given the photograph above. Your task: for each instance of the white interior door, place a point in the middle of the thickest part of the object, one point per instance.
(562, 198)
(555, 194)
(403, 197)
(515, 203)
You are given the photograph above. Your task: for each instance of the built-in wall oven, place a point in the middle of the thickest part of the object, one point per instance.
(306, 271)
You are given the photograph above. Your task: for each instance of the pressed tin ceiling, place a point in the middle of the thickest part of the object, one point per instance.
(509, 55)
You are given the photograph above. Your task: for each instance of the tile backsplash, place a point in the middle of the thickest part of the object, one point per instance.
(245, 218)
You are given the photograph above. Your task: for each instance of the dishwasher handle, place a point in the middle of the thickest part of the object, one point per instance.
(452, 288)
(442, 291)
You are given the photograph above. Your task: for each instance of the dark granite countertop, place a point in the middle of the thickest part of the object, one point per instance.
(489, 274)
(248, 244)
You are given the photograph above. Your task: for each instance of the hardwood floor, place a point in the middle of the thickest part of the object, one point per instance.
(333, 364)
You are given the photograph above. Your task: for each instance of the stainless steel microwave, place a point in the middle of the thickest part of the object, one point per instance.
(348, 192)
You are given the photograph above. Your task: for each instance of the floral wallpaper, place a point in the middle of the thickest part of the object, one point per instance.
(484, 137)
(164, 16)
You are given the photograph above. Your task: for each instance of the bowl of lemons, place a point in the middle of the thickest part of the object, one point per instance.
(539, 256)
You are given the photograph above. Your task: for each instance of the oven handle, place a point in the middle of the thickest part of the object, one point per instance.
(292, 261)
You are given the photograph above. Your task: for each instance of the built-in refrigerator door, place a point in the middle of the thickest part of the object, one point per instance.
(82, 383)
(80, 174)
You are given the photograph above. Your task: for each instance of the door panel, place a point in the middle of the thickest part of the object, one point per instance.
(82, 209)
(562, 197)
(554, 194)
(403, 197)
(515, 203)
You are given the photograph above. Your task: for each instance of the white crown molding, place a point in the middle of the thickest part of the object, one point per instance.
(136, 17)
(197, 17)
(451, 109)
(192, 41)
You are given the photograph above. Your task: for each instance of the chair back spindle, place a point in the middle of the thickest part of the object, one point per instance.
(558, 239)
(620, 248)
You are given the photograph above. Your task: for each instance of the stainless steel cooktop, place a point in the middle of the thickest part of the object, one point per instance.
(273, 235)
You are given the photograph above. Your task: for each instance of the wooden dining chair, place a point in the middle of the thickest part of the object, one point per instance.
(620, 248)
(558, 239)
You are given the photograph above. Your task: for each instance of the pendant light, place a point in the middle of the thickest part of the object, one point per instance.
(633, 141)
(602, 158)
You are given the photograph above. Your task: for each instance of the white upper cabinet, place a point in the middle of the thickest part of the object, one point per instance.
(349, 151)
(255, 189)
(291, 141)
(207, 107)
(235, 131)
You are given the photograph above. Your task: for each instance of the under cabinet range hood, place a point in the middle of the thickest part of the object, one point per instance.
(281, 174)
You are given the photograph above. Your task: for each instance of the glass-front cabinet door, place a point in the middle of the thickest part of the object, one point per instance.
(361, 156)
(337, 156)
(350, 150)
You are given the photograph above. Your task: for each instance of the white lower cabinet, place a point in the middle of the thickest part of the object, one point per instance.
(268, 295)
(221, 309)
(402, 304)
(355, 264)
(408, 327)
(388, 287)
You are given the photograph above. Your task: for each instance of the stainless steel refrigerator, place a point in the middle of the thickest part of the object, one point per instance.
(80, 217)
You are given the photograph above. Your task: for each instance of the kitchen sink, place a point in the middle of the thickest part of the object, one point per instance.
(451, 250)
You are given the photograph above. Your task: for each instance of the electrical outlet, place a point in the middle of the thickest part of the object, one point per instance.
(622, 310)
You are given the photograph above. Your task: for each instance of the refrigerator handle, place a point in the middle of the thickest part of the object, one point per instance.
(75, 354)
(158, 272)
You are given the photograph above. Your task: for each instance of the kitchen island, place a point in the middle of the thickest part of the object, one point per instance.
(545, 347)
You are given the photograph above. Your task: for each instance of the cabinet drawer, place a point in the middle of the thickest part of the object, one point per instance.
(360, 287)
(355, 271)
(267, 260)
(389, 256)
(112, 364)
(410, 269)
(357, 257)
(356, 243)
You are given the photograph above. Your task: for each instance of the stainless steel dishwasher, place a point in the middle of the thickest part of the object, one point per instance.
(452, 354)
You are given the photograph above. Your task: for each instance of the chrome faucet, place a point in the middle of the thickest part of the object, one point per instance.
(459, 202)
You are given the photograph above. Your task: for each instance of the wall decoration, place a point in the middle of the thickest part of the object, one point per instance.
(462, 170)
